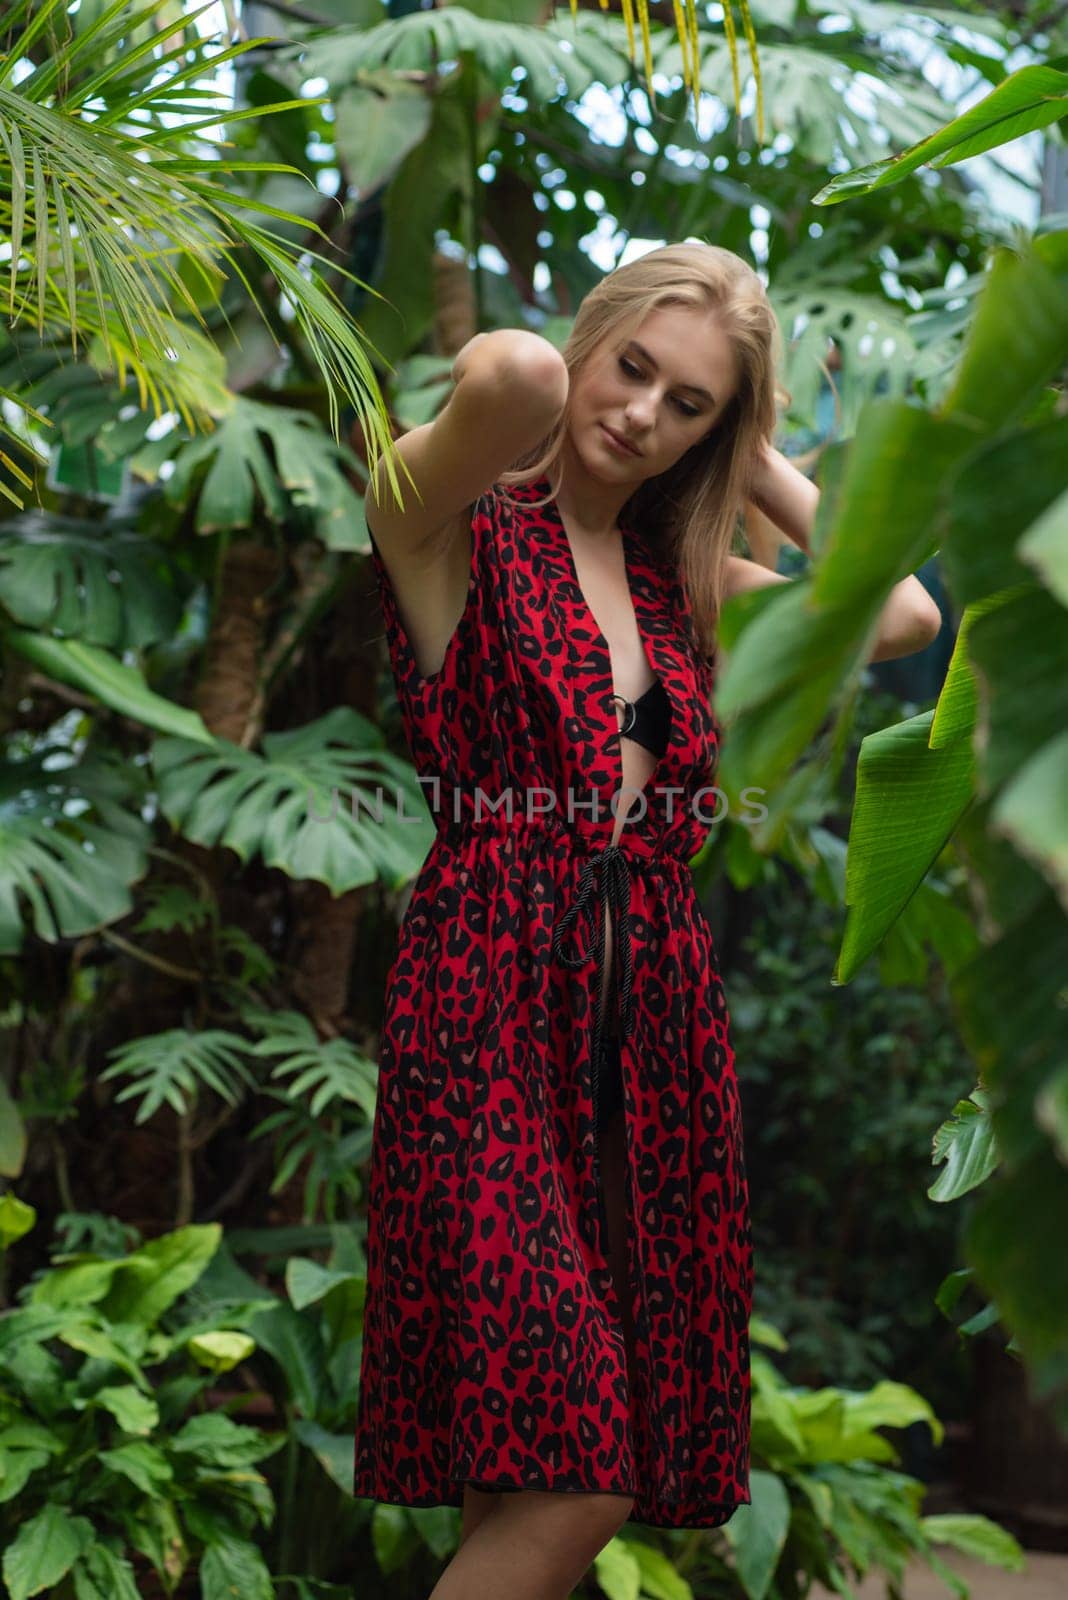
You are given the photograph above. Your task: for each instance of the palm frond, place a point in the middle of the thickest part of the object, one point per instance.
(102, 211)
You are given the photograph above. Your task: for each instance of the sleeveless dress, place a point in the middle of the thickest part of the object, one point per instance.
(492, 1348)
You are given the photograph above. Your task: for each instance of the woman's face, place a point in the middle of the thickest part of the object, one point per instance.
(663, 390)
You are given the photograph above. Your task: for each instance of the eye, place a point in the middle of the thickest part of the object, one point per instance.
(632, 371)
(688, 410)
(629, 368)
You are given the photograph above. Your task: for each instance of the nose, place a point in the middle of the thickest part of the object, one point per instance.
(640, 413)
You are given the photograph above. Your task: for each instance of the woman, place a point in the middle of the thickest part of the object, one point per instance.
(559, 1255)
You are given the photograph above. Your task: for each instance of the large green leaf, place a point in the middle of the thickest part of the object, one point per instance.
(432, 175)
(95, 671)
(909, 799)
(219, 1441)
(301, 804)
(758, 1532)
(1018, 342)
(877, 352)
(1020, 651)
(234, 1567)
(100, 1574)
(1015, 1237)
(44, 1550)
(333, 1451)
(1045, 548)
(107, 586)
(87, 401)
(291, 1337)
(805, 85)
(1009, 1002)
(154, 1276)
(378, 121)
(242, 480)
(965, 1142)
(136, 1288)
(1031, 811)
(800, 650)
(872, 16)
(976, 1536)
(889, 507)
(1028, 99)
(997, 497)
(424, 39)
(71, 844)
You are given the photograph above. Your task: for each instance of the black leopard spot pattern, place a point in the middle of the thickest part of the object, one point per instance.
(492, 1348)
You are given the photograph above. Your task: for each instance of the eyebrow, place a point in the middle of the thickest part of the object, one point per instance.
(694, 388)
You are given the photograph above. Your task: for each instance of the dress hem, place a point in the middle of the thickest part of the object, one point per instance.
(714, 1516)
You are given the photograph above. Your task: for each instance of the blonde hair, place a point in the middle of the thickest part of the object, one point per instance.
(688, 514)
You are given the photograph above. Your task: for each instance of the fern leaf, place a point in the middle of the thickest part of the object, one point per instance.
(168, 1068)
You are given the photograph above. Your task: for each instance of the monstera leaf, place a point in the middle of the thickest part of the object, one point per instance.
(304, 469)
(110, 587)
(71, 844)
(309, 805)
(805, 94)
(422, 39)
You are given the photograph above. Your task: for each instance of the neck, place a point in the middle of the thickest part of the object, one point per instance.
(589, 504)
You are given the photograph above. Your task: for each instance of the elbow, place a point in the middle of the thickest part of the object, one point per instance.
(912, 633)
(927, 624)
(542, 370)
(522, 357)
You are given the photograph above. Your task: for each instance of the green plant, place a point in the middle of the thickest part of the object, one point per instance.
(109, 1455)
(841, 1087)
(983, 478)
(828, 1505)
(307, 1359)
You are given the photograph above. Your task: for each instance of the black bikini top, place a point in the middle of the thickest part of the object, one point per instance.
(648, 719)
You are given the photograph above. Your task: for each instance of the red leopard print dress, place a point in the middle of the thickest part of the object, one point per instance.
(492, 1345)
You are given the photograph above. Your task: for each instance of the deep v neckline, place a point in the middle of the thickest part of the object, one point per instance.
(599, 647)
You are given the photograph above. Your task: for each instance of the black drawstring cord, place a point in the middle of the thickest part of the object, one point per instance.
(615, 901)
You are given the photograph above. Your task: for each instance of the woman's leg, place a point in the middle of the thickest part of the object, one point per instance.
(478, 1503)
(535, 1545)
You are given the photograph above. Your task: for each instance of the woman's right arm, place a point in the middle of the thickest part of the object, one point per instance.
(511, 387)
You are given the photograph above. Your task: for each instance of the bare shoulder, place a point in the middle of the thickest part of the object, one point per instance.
(501, 408)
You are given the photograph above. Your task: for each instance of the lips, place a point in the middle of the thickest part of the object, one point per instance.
(620, 440)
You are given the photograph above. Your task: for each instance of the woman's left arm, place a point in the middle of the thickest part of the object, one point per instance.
(909, 620)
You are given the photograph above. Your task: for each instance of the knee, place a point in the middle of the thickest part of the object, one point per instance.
(613, 1511)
